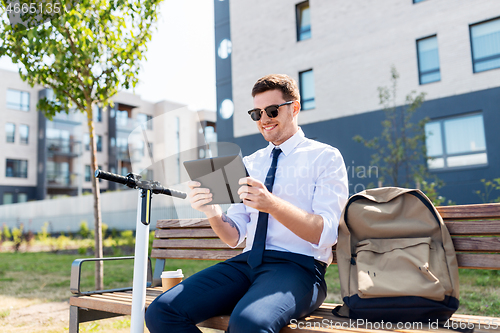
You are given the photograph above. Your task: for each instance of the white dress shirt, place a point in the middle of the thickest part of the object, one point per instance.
(310, 175)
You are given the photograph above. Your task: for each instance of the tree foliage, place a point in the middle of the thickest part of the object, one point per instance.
(400, 150)
(489, 186)
(85, 55)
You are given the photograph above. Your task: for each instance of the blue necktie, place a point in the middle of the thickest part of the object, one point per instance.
(259, 241)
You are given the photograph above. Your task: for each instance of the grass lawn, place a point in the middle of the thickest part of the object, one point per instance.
(47, 276)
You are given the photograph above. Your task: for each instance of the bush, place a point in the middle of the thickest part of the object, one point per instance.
(43, 235)
(62, 242)
(84, 230)
(17, 235)
(6, 234)
(128, 237)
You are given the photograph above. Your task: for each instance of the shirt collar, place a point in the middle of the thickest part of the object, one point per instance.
(289, 145)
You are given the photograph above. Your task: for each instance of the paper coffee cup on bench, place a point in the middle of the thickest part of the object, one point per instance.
(171, 278)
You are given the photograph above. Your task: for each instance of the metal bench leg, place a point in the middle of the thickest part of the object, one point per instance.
(74, 323)
(82, 315)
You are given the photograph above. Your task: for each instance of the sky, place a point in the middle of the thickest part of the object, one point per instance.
(180, 65)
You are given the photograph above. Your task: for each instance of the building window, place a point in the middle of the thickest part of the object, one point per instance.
(99, 143)
(24, 132)
(145, 118)
(59, 140)
(150, 149)
(417, 1)
(58, 173)
(306, 85)
(10, 132)
(18, 100)
(210, 134)
(8, 198)
(428, 60)
(97, 114)
(456, 142)
(22, 197)
(138, 150)
(88, 173)
(16, 168)
(485, 43)
(122, 149)
(86, 142)
(303, 21)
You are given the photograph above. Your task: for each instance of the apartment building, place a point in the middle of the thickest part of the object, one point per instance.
(340, 52)
(41, 158)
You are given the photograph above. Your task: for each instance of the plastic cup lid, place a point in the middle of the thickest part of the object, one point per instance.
(172, 274)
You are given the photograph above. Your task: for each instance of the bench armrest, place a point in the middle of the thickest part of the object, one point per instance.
(76, 270)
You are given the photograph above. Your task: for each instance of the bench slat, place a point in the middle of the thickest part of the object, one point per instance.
(182, 223)
(185, 233)
(214, 243)
(90, 302)
(469, 228)
(478, 261)
(482, 211)
(194, 254)
(476, 244)
(474, 228)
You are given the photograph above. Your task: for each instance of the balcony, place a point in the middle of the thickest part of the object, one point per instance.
(64, 147)
(73, 116)
(123, 154)
(126, 124)
(62, 180)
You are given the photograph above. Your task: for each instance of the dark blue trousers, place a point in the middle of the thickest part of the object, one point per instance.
(285, 286)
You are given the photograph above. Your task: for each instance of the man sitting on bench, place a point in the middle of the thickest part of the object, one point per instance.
(290, 213)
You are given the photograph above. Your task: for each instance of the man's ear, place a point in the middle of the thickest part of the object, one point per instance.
(296, 108)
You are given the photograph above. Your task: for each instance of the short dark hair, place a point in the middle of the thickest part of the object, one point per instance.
(282, 82)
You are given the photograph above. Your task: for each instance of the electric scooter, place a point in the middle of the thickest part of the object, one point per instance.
(147, 189)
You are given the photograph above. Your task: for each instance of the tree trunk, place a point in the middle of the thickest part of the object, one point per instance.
(99, 269)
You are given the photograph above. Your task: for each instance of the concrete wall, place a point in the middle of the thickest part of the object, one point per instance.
(119, 210)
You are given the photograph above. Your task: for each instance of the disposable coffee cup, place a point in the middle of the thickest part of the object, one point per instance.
(171, 278)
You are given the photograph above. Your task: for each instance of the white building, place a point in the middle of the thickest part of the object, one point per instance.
(42, 159)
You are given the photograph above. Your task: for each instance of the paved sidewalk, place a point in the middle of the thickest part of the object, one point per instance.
(36, 316)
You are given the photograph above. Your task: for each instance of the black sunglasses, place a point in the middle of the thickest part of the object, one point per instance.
(271, 111)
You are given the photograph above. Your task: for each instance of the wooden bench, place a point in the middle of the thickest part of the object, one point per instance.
(475, 230)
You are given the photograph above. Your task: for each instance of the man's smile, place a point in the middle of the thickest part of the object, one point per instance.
(268, 128)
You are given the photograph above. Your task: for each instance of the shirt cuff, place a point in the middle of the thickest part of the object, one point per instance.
(241, 233)
(328, 234)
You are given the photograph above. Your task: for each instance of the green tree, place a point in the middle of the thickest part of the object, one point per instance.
(84, 55)
(400, 149)
(489, 186)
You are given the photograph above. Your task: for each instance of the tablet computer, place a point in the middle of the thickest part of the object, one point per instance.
(220, 175)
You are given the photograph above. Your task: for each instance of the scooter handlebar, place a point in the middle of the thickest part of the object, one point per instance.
(111, 177)
(133, 183)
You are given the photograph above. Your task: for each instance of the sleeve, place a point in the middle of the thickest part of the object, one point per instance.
(330, 196)
(239, 215)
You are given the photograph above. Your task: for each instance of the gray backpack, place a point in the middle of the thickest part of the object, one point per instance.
(396, 259)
